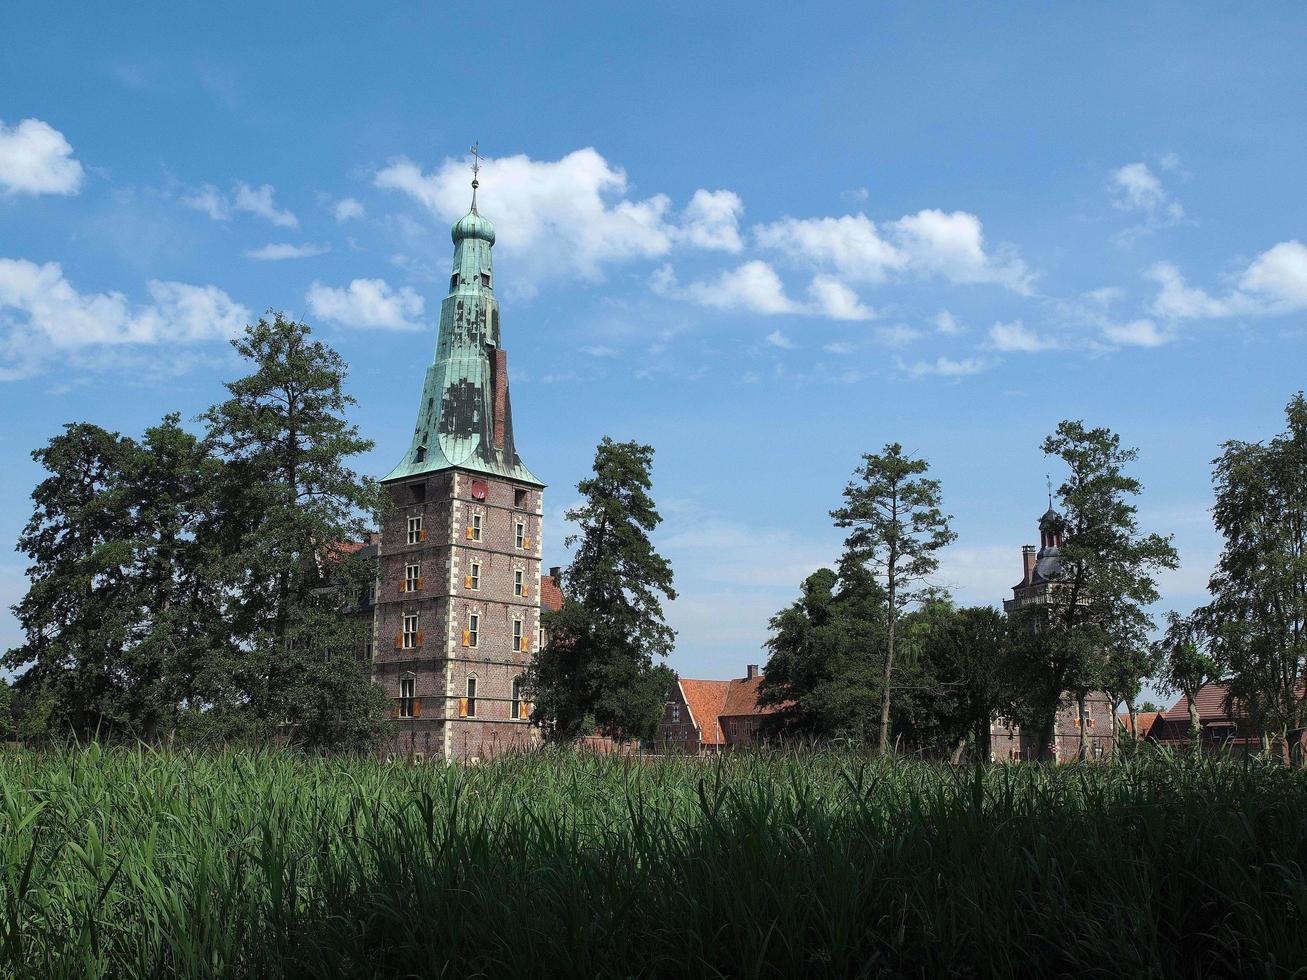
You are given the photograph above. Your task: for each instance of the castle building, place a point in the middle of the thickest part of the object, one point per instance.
(1042, 571)
(457, 611)
(705, 717)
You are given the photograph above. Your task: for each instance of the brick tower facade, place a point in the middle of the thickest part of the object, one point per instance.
(458, 612)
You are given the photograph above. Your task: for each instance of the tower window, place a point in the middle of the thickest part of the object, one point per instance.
(412, 577)
(519, 535)
(517, 634)
(474, 575)
(518, 706)
(485, 280)
(406, 685)
(476, 527)
(471, 697)
(519, 498)
(453, 282)
(473, 629)
(415, 529)
(410, 631)
(518, 583)
(417, 492)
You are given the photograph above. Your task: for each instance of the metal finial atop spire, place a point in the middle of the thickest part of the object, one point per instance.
(476, 169)
(1048, 482)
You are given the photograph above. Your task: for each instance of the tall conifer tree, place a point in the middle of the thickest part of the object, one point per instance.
(600, 669)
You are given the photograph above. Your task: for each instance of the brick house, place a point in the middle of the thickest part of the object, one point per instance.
(1041, 573)
(709, 716)
(457, 608)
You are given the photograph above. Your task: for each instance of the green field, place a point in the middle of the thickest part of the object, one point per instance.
(142, 864)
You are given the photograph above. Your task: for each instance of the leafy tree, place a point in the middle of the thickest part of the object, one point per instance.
(967, 652)
(897, 529)
(287, 498)
(598, 670)
(1124, 670)
(1257, 618)
(1185, 665)
(78, 612)
(824, 667)
(7, 726)
(1098, 603)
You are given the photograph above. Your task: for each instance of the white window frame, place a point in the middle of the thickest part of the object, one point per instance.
(518, 634)
(407, 695)
(415, 529)
(473, 629)
(412, 572)
(474, 576)
(476, 527)
(519, 581)
(472, 696)
(412, 626)
(516, 698)
(519, 535)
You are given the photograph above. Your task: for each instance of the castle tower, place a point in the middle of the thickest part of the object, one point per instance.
(457, 614)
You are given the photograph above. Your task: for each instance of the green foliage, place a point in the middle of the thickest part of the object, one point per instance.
(1257, 618)
(187, 587)
(137, 864)
(1185, 664)
(1092, 632)
(897, 529)
(826, 659)
(288, 497)
(598, 669)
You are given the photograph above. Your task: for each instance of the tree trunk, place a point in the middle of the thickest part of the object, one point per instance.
(1083, 751)
(1134, 718)
(889, 663)
(984, 746)
(1047, 750)
(1195, 722)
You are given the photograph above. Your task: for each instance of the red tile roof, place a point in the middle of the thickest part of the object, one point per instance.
(706, 700)
(551, 596)
(1144, 719)
(1211, 705)
(712, 700)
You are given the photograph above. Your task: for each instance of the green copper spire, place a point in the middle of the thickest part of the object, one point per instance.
(465, 419)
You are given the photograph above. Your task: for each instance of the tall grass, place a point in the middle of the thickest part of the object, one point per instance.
(144, 864)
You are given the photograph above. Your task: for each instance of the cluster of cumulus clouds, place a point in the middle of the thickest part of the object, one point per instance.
(578, 218)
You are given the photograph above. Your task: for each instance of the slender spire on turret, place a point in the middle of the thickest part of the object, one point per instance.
(476, 170)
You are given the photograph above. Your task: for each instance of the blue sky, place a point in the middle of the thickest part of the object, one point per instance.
(762, 238)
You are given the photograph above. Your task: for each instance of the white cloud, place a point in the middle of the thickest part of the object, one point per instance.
(778, 339)
(285, 250)
(899, 335)
(850, 244)
(712, 220)
(209, 200)
(838, 347)
(753, 286)
(1137, 333)
(259, 201)
(1279, 276)
(347, 209)
(565, 217)
(1178, 300)
(1015, 336)
(1136, 188)
(41, 313)
(948, 368)
(952, 245)
(367, 303)
(598, 350)
(35, 158)
(833, 299)
(930, 242)
(947, 323)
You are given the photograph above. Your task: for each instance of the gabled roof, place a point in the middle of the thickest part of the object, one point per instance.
(706, 699)
(1211, 705)
(1144, 719)
(551, 596)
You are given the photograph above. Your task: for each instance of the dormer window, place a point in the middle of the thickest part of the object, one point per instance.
(453, 282)
(485, 280)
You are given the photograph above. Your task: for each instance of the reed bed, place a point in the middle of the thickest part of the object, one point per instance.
(139, 863)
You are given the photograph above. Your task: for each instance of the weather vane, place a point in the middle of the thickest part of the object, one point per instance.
(476, 169)
(1048, 482)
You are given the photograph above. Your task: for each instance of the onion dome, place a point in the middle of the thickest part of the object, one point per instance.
(472, 225)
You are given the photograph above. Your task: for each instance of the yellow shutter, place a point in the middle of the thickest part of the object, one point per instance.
(422, 535)
(467, 581)
(467, 533)
(462, 707)
(467, 638)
